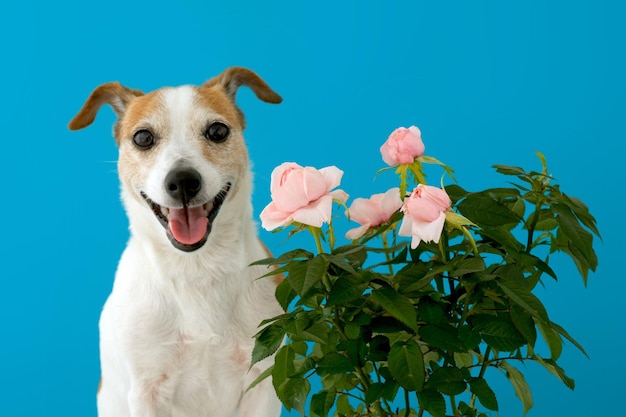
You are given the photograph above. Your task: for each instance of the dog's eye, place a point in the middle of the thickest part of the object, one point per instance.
(217, 132)
(143, 139)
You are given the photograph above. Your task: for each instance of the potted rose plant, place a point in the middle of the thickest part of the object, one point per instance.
(434, 287)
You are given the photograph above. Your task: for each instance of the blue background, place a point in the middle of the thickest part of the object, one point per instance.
(486, 82)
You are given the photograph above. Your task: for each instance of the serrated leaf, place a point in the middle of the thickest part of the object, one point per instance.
(374, 392)
(566, 335)
(515, 289)
(261, 378)
(432, 401)
(285, 294)
(344, 290)
(581, 211)
(486, 211)
(467, 266)
(449, 381)
(552, 338)
(334, 363)
(406, 365)
(322, 402)
(296, 254)
(486, 396)
(557, 371)
(524, 322)
(339, 262)
(397, 305)
(499, 333)
(522, 390)
(305, 274)
(580, 239)
(317, 333)
(509, 170)
(267, 342)
(293, 392)
(443, 337)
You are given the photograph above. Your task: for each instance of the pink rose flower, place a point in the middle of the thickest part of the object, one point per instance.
(403, 146)
(424, 214)
(302, 194)
(370, 212)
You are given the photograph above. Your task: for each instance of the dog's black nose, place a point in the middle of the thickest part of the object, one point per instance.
(183, 184)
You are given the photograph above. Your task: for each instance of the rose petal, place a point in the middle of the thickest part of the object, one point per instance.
(339, 195)
(271, 217)
(357, 232)
(316, 213)
(429, 231)
(332, 175)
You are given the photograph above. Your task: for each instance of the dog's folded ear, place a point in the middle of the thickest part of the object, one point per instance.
(234, 77)
(113, 94)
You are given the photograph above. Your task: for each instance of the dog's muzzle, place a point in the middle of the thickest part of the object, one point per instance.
(187, 227)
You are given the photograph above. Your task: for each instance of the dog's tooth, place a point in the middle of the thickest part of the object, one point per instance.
(165, 211)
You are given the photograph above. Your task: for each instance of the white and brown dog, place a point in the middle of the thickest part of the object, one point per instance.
(176, 331)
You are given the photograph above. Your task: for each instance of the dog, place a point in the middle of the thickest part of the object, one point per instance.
(176, 332)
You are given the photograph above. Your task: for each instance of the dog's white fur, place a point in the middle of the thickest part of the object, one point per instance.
(176, 331)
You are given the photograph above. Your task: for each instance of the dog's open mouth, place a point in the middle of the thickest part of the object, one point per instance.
(188, 228)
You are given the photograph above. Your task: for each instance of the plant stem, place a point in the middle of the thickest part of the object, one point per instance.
(315, 231)
(531, 228)
(408, 405)
(455, 410)
(387, 254)
(481, 373)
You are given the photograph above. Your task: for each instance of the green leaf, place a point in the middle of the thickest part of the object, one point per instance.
(261, 378)
(317, 333)
(522, 390)
(345, 290)
(516, 290)
(509, 170)
(296, 254)
(467, 266)
(566, 335)
(374, 392)
(322, 402)
(334, 363)
(524, 323)
(443, 337)
(285, 294)
(379, 348)
(406, 365)
(305, 274)
(486, 396)
(486, 211)
(580, 240)
(432, 401)
(430, 311)
(552, 338)
(557, 371)
(339, 262)
(293, 392)
(581, 211)
(499, 333)
(267, 342)
(397, 305)
(283, 366)
(449, 381)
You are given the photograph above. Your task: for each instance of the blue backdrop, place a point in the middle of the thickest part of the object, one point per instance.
(486, 82)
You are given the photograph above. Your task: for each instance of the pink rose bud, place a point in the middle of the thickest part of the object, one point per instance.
(424, 214)
(302, 194)
(373, 211)
(403, 146)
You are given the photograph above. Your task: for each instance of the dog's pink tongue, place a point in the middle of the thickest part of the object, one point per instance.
(188, 226)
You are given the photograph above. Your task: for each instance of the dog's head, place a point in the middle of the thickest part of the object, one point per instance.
(182, 152)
